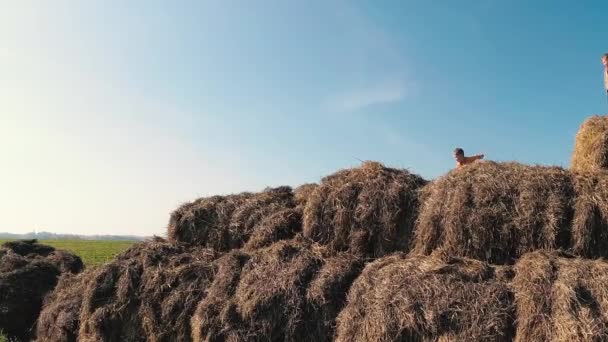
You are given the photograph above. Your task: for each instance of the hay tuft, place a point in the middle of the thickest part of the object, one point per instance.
(302, 193)
(427, 299)
(282, 225)
(288, 291)
(28, 272)
(591, 145)
(561, 298)
(59, 319)
(226, 222)
(369, 210)
(148, 293)
(27, 247)
(66, 261)
(590, 224)
(496, 212)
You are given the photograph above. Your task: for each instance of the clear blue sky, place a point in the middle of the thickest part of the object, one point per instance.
(113, 112)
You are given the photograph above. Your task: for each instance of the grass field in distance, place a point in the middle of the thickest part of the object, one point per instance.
(92, 252)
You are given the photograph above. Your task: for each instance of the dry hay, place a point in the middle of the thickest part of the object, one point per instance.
(59, 319)
(148, 293)
(290, 291)
(302, 193)
(496, 212)
(28, 271)
(281, 225)
(66, 261)
(369, 210)
(226, 222)
(28, 247)
(591, 145)
(590, 224)
(561, 298)
(428, 299)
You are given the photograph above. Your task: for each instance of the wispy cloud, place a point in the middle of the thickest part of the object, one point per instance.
(377, 94)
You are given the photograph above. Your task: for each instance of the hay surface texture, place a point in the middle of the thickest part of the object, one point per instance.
(560, 298)
(282, 225)
(302, 193)
(226, 222)
(590, 225)
(369, 210)
(591, 145)
(427, 299)
(28, 272)
(287, 292)
(496, 212)
(59, 319)
(148, 293)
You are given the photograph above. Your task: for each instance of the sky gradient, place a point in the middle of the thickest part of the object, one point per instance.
(113, 113)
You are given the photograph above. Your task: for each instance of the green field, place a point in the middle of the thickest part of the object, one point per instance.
(92, 252)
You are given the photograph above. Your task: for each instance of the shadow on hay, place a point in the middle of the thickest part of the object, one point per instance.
(369, 210)
(290, 291)
(561, 298)
(428, 299)
(28, 272)
(226, 222)
(59, 319)
(148, 293)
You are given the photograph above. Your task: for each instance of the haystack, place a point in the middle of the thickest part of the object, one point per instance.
(28, 272)
(148, 293)
(591, 145)
(226, 222)
(561, 298)
(369, 210)
(290, 291)
(428, 299)
(496, 212)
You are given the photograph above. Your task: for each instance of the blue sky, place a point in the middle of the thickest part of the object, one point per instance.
(113, 113)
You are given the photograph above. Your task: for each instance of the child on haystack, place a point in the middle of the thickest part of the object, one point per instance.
(461, 160)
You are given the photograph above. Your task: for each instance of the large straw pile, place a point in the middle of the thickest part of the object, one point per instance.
(226, 222)
(283, 265)
(591, 145)
(286, 292)
(369, 210)
(28, 271)
(428, 299)
(561, 298)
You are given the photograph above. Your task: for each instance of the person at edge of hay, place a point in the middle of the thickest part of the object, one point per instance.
(605, 62)
(461, 160)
